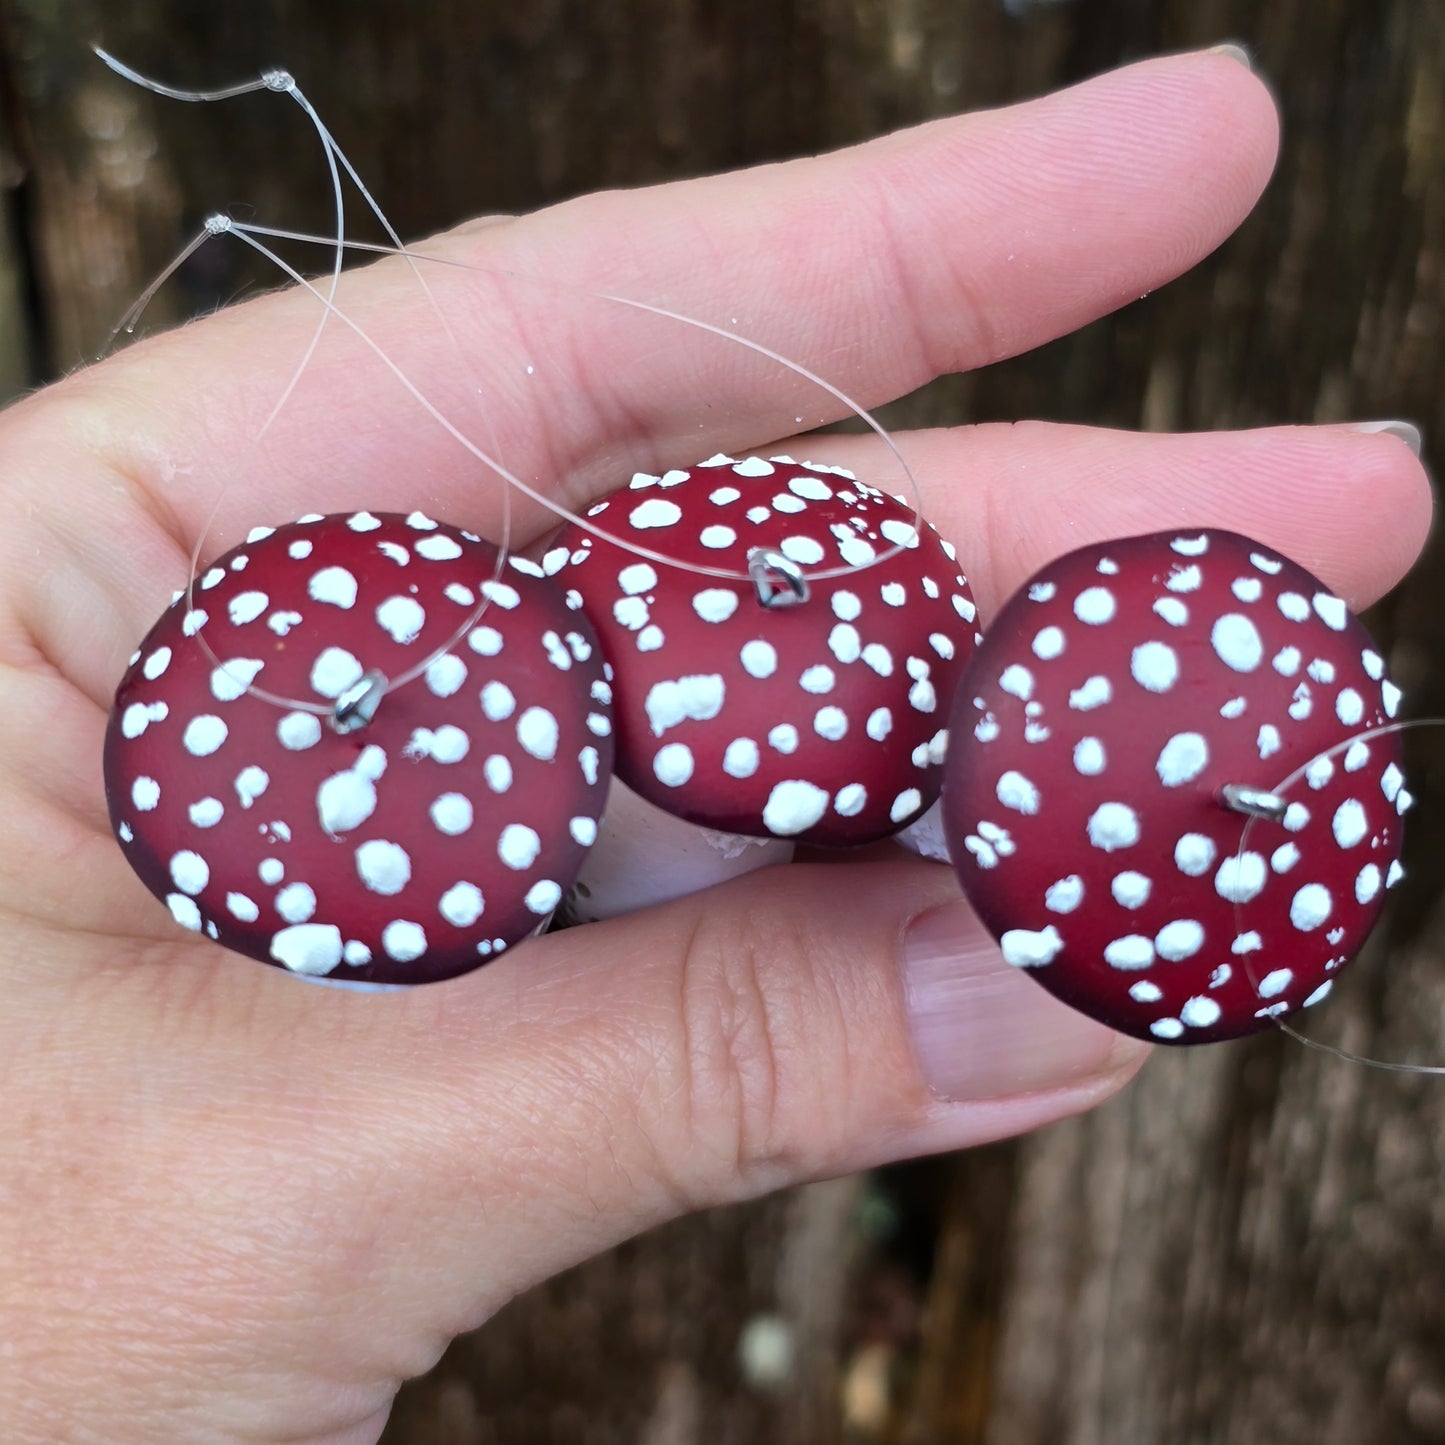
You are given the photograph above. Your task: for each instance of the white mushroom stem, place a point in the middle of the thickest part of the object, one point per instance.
(644, 856)
(924, 835)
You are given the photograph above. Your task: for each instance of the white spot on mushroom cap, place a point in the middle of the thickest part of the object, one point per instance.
(793, 806)
(741, 758)
(1236, 642)
(1367, 884)
(1241, 877)
(1018, 681)
(909, 801)
(403, 940)
(333, 585)
(1331, 611)
(140, 715)
(206, 812)
(1025, 948)
(498, 701)
(250, 783)
(759, 658)
(401, 618)
(518, 846)
(783, 738)
(310, 948)
(345, 801)
(1112, 826)
(1130, 953)
(673, 764)
(1130, 889)
(239, 906)
(445, 675)
(1178, 940)
(296, 902)
(334, 671)
(715, 604)
(1048, 643)
(204, 735)
(1095, 692)
(298, 731)
(1274, 983)
(655, 512)
(438, 548)
(538, 733)
(184, 911)
(1349, 823)
(246, 607)
(384, 867)
(1095, 606)
(542, 897)
(1182, 759)
(631, 613)
(230, 680)
(1154, 666)
(877, 657)
(1017, 792)
(1310, 907)
(189, 871)
(1200, 1012)
(451, 813)
(696, 698)
(462, 904)
(1065, 895)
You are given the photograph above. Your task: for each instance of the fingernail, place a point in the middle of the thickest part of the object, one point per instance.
(1407, 432)
(1235, 51)
(981, 1030)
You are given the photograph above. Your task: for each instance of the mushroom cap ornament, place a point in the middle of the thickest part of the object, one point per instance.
(429, 830)
(1100, 739)
(822, 722)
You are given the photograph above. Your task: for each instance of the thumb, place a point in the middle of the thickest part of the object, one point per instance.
(798, 1023)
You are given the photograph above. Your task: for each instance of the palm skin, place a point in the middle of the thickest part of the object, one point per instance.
(238, 1208)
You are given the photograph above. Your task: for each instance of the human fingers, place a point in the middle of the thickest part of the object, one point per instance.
(933, 250)
(316, 1189)
(1350, 503)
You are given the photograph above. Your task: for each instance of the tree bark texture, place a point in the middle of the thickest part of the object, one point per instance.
(1249, 1246)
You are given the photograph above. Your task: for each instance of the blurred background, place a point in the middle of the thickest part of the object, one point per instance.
(1249, 1246)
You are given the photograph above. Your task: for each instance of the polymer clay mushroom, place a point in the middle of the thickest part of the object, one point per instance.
(1127, 714)
(377, 834)
(755, 697)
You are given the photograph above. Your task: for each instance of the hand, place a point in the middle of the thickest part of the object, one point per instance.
(239, 1208)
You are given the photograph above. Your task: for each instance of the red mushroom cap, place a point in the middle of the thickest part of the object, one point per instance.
(1109, 704)
(821, 722)
(413, 848)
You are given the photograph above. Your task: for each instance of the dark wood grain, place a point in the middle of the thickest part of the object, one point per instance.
(1249, 1247)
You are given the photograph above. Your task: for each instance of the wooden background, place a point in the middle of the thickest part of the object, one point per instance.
(1250, 1245)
